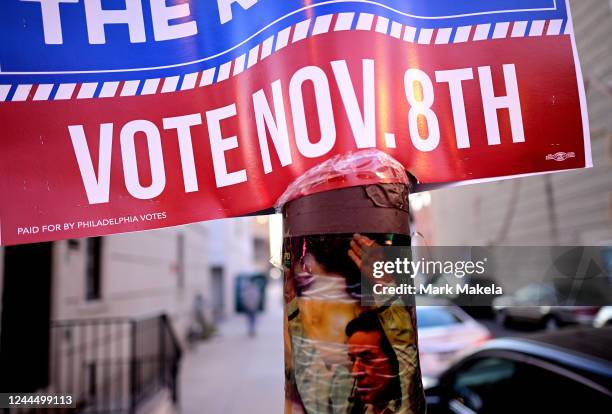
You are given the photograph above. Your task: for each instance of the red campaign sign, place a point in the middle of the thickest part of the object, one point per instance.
(449, 112)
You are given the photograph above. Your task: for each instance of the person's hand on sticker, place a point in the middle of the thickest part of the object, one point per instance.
(367, 255)
(358, 243)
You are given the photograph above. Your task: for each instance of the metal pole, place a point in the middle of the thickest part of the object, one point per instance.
(133, 368)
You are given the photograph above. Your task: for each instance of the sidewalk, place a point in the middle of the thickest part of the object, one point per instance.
(235, 374)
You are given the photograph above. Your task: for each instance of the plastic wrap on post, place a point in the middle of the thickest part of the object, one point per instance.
(342, 356)
(369, 166)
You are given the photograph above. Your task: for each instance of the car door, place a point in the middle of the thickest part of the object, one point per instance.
(533, 302)
(515, 383)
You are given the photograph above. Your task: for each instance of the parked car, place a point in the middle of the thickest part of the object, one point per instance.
(537, 304)
(603, 317)
(445, 332)
(568, 371)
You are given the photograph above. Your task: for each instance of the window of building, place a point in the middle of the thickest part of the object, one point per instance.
(93, 268)
(261, 249)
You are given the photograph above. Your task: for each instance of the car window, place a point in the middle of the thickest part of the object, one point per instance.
(536, 294)
(435, 316)
(497, 385)
(473, 386)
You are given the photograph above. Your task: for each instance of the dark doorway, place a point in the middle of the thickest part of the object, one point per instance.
(218, 292)
(26, 312)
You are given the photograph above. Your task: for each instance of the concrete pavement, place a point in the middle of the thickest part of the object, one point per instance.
(235, 374)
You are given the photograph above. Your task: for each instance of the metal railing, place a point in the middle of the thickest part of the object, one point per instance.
(112, 365)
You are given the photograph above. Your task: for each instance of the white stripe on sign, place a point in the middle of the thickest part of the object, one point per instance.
(410, 34)
(425, 36)
(208, 76)
(537, 28)
(108, 89)
(254, 54)
(501, 30)
(170, 84)
(568, 28)
(365, 21)
(519, 29)
(344, 21)
(150, 86)
(396, 30)
(189, 81)
(301, 31)
(281, 40)
(322, 24)
(130, 88)
(239, 64)
(224, 71)
(482, 32)
(266, 47)
(462, 34)
(4, 91)
(443, 35)
(42, 92)
(22, 92)
(554, 27)
(87, 90)
(382, 24)
(64, 91)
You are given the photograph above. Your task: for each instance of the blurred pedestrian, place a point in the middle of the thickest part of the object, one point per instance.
(200, 328)
(250, 295)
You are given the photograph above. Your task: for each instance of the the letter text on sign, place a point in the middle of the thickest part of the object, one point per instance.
(225, 8)
(51, 19)
(130, 162)
(97, 18)
(219, 145)
(161, 14)
(97, 186)
(183, 125)
(325, 112)
(454, 78)
(363, 122)
(420, 95)
(278, 128)
(492, 103)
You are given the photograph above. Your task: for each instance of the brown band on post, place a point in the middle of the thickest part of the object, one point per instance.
(380, 208)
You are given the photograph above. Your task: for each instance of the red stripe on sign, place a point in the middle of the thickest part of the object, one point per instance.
(510, 29)
(334, 20)
(225, 150)
(472, 33)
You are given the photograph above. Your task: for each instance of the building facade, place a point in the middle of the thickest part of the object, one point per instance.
(106, 318)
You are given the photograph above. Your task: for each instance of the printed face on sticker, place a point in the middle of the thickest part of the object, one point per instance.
(374, 364)
(325, 307)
